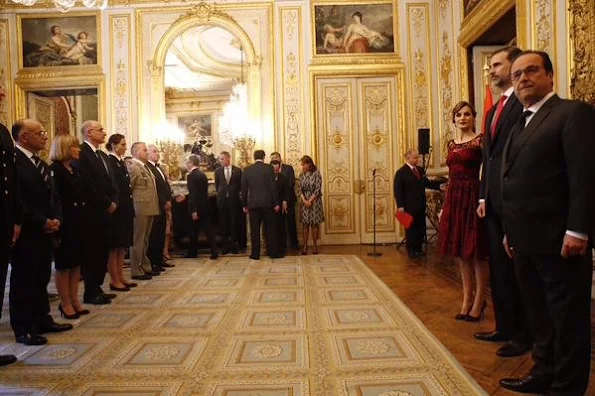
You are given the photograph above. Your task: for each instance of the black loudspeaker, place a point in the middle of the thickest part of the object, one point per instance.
(423, 140)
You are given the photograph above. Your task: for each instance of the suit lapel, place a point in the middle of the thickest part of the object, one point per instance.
(522, 137)
(505, 113)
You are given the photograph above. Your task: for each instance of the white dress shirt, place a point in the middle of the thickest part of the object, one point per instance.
(27, 153)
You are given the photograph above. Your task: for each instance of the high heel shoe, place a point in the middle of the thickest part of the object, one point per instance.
(130, 284)
(75, 315)
(315, 251)
(115, 288)
(305, 250)
(463, 316)
(471, 318)
(82, 312)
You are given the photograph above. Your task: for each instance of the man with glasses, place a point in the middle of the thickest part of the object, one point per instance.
(101, 193)
(511, 319)
(548, 191)
(32, 253)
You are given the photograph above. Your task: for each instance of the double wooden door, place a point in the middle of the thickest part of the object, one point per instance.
(357, 150)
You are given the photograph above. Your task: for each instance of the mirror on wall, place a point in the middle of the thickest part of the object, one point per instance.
(62, 111)
(202, 67)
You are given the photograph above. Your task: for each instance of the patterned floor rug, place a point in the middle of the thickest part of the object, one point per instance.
(321, 325)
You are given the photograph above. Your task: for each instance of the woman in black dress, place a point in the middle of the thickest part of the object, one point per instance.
(69, 253)
(122, 228)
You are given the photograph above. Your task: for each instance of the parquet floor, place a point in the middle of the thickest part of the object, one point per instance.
(431, 289)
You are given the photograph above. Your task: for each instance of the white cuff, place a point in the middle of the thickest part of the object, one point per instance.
(482, 200)
(578, 235)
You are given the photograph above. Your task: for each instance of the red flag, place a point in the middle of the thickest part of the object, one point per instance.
(488, 102)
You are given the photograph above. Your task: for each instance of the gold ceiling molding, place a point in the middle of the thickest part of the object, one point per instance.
(582, 42)
(482, 18)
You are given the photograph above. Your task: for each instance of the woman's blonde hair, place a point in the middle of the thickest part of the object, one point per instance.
(60, 150)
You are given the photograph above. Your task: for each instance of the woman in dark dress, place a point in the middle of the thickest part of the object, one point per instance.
(68, 255)
(122, 228)
(461, 231)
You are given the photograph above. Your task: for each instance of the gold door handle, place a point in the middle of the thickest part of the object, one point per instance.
(359, 186)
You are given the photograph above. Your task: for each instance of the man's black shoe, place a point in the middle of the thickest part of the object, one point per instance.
(277, 256)
(153, 273)
(527, 384)
(214, 256)
(492, 336)
(5, 360)
(224, 252)
(97, 300)
(111, 296)
(513, 348)
(168, 265)
(190, 255)
(254, 257)
(31, 339)
(142, 277)
(54, 328)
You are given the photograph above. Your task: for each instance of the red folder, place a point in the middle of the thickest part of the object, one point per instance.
(404, 218)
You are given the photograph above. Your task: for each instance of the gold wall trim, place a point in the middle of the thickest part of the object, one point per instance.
(543, 33)
(316, 72)
(121, 75)
(292, 77)
(478, 21)
(582, 49)
(6, 112)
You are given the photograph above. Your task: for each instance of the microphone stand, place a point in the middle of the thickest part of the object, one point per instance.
(374, 252)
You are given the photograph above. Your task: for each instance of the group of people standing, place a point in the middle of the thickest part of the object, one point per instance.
(531, 214)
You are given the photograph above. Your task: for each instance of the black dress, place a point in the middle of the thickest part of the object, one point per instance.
(122, 219)
(69, 253)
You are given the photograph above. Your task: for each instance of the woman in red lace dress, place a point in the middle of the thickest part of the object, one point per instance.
(460, 230)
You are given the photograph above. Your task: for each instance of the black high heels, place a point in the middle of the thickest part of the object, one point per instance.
(471, 318)
(120, 289)
(75, 315)
(82, 312)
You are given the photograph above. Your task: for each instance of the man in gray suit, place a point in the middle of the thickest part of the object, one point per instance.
(260, 200)
(146, 208)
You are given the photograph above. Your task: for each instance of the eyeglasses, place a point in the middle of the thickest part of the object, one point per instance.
(529, 72)
(97, 129)
(39, 133)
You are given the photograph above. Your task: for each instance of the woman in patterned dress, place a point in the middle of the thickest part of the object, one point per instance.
(312, 213)
(460, 230)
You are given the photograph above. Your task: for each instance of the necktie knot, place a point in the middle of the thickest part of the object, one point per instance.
(36, 159)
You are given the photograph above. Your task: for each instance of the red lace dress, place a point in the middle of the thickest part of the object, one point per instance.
(460, 230)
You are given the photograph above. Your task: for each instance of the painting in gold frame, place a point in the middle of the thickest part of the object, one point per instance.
(360, 29)
(59, 42)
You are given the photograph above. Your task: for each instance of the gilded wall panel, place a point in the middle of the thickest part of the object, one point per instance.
(5, 74)
(419, 58)
(291, 101)
(543, 32)
(377, 116)
(582, 37)
(121, 76)
(337, 127)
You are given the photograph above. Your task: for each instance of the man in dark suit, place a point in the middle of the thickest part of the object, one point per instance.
(410, 194)
(511, 319)
(32, 253)
(283, 194)
(199, 208)
(101, 193)
(164, 193)
(11, 214)
(260, 201)
(228, 183)
(548, 191)
(289, 213)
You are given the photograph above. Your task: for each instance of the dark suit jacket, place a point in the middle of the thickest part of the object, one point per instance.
(163, 188)
(69, 186)
(11, 210)
(40, 202)
(122, 181)
(410, 192)
(198, 190)
(282, 188)
(100, 187)
(258, 186)
(289, 174)
(547, 177)
(490, 188)
(231, 190)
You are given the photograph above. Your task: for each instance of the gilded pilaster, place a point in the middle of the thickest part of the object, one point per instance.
(582, 37)
(120, 75)
(291, 100)
(5, 74)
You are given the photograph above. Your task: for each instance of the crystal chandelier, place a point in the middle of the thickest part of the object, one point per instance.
(65, 5)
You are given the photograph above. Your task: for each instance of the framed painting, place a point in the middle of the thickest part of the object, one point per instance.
(354, 29)
(57, 41)
(470, 5)
(196, 126)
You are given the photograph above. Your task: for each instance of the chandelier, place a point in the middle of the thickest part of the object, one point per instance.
(65, 5)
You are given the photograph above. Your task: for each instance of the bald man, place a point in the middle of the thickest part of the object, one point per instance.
(32, 253)
(101, 194)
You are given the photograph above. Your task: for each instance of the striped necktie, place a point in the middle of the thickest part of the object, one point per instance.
(41, 167)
